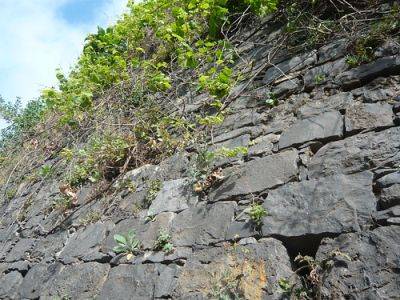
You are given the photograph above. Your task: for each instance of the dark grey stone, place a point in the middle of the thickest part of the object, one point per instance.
(20, 250)
(291, 65)
(178, 254)
(323, 73)
(47, 247)
(263, 144)
(317, 106)
(166, 282)
(202, 225)
(328, 205)
(173, 167)
(389, 47)
(390, 196)
(368, 116)
(384, 66)
(130, 282)
(231, 134)
(388, 180)
(242, 229)
(174, 196)
(327, 126)
(9, 285)
(37, 278)
(21, 266)
(81, 281)
(384, 216)
(141, 175)
(332, 51)
(263, 264)
(258, 175)
(246, 117)
(286, 87)
(240, 141)
(371, 150)
(372, 273)
(85, 243)
(372, 96)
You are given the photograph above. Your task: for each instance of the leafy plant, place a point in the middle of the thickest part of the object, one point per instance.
(45, 171)
(154, 186)
(256, 213)
(231, 153)
(163, 242)
(319, 78)
(62, 203)
(91, 217)
(10, 193)
(285, 285)
(272, 100)
(211, 120)
(127, 244)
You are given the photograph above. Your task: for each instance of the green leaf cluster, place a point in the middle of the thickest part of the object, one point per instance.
(127, 243)
(256, 213)
(163, 242)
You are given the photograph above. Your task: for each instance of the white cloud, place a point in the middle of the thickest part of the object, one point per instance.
(35, 41)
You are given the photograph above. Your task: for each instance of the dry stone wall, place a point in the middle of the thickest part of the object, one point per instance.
(324, 163)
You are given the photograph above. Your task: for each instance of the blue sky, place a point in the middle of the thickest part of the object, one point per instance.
(39, 36)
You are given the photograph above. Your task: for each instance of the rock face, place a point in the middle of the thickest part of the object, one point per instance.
(267, 172)
(371, 272)
(333, 204)
(321, 179)
(328, 125)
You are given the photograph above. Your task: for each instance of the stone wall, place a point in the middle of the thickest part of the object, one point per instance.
(324, 163)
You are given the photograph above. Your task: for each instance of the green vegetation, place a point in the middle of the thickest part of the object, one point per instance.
(163, 242)
(256, 213)
(127, 244)
(10, 193)
(315, 270)
(62, 203)
(91, 217)
(123, 105)
(45, 171)
(154, 186)
(272, 100)
(203, 172)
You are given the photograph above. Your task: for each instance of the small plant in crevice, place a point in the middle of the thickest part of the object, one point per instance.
(153, 188)
(45, 171)
(204, 173)
(256, 213)
(128, 244)
(319, 78)
(316, 270)
(163, 242)
(127, 184)
(62, 203)
(227, 288)
(10, 193)
(272, 100)
(91, 217)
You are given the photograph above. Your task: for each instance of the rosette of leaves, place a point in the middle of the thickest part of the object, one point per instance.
(127, 244)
